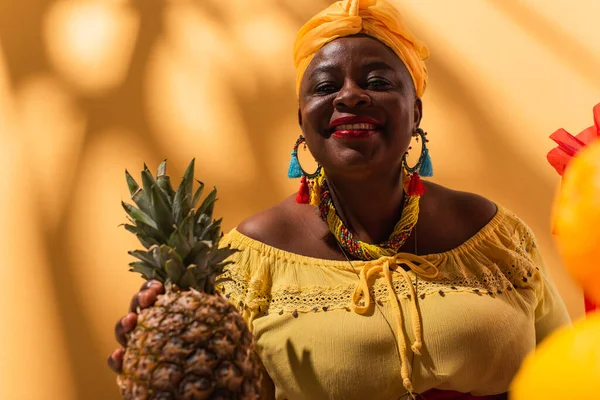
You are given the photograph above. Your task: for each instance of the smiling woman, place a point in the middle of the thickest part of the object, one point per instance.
(352, 80)
(390, 287)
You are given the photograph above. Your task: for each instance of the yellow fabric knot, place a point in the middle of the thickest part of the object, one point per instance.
(361, 299)
(376, 18)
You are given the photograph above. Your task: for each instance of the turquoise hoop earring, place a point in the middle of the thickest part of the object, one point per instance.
(295, 171)
(423, 166)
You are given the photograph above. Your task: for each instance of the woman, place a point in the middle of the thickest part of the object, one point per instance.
(389, 288)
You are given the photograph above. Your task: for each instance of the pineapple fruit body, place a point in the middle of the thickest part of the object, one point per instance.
(192, 344)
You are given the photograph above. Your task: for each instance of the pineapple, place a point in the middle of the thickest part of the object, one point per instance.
(192, 344)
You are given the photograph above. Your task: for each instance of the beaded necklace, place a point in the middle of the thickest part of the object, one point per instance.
(359, 249)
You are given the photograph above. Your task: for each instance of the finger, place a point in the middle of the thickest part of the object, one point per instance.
(147, 298)
(115, 360)
(147, 284)
(124, 326)
(158, 287)
(134, 304)
(154, 287)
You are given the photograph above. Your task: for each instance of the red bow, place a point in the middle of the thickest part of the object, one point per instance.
(569, 145)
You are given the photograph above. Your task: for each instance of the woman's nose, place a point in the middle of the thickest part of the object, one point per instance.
(351, 96)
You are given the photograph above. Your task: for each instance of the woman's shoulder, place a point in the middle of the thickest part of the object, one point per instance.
(281, 225)
(472, 209)
(462, 214)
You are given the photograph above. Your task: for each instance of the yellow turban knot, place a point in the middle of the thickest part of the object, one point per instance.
(376, 18)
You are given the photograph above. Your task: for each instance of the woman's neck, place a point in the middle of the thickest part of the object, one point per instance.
(369, 207)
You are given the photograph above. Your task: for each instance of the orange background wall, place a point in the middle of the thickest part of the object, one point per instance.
(91, 87)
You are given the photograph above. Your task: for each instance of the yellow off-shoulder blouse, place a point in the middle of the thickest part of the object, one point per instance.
(464, 319)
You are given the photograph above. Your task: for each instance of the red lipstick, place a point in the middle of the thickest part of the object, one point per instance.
(354, 127)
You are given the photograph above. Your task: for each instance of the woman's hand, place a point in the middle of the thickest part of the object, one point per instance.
(143, 299)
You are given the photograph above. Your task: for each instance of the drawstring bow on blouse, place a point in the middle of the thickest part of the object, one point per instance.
(361, 299)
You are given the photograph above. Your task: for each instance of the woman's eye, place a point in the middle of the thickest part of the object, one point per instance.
(377, 83)
(325, 88)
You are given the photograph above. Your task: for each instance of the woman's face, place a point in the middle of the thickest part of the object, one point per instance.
(358, 108)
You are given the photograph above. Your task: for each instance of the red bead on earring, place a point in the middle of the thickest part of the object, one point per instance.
(303, 196)
(415, 186)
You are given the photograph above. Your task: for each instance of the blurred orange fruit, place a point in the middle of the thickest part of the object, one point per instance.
(565, 366)
(577, 219)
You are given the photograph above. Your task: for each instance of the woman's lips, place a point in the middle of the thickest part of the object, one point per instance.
(354, 127)
(355, 131)
(354, 134)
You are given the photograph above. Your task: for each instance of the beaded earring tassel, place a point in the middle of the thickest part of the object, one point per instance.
(424, 167)
(294, 171)
(307, 186)
(415, 186)
(303, 196)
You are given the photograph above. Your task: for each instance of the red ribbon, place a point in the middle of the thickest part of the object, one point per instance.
(568, 147)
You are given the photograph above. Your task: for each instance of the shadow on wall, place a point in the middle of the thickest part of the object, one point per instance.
(101, 86)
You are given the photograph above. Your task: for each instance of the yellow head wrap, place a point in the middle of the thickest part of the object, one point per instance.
(376, 18)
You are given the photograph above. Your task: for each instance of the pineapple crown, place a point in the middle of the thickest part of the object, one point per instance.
(181, 241)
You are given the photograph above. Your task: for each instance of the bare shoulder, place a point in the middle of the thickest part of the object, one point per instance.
(474, 210)
(462, 213)
(279, 225)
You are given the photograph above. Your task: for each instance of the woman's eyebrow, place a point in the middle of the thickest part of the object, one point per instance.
(377, 65)
(324, 69)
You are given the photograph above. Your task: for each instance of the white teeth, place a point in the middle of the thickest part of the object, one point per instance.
(349, 127)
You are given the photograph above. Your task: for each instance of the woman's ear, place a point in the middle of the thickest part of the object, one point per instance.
(299, 117)
(418, 112)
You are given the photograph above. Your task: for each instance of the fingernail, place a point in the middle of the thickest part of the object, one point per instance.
(143, 300)
(128, 322)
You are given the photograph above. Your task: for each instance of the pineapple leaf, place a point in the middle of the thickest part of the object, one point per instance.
(179, 206)
(142, 200)
(150, 232)
(177, 230)
(143, 256)
(162, 211)
(160, 254)
(131, 183)
(212, 231)
(130, 228)
(201, 272)
(159, 275)
(182, 204)
(221, 255)
(162, 168)
(187, 228)
(142, 268)
(175, 270)
(216, 232)
(178, 242)
(164, 182)
(188, 181)
(147, 241)
(138, 195)
(189, 277)
(203, 221)
(208, 204)
(197, 194)
(138, 215)
(147, 180)
(198, 253)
